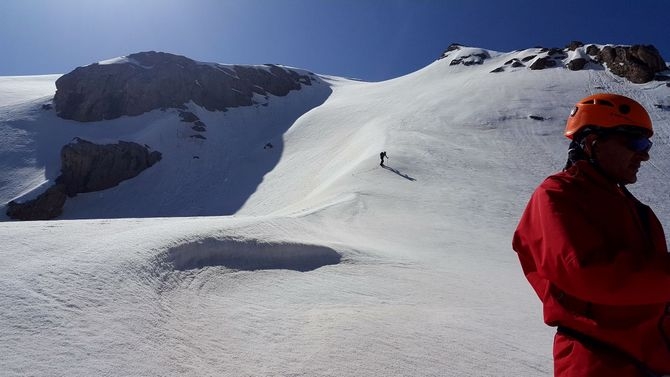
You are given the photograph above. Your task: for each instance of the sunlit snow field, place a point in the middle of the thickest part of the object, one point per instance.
(307, 259)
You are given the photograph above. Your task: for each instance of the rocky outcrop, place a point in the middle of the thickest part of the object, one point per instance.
(638, 63)
(593, 50)
(542, 63)
(513, 63)
(465, 55)
(46, 206)
(470, 59)
(572, 46)
(85, 167)
(577, 64)
(198, 125)
(452, 47)
(153, 80)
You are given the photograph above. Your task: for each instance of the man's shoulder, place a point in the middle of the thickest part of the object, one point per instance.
(564, 184)
(558, 180)
(578, 181)
(576, 174)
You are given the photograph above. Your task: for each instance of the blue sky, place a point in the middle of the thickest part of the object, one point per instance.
(366, 39)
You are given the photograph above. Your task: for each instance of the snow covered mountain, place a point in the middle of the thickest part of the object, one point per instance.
(228, 257)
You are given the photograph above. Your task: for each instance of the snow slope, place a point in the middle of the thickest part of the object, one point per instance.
(206, 263)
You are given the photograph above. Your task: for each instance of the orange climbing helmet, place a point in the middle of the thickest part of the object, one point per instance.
(608, 111)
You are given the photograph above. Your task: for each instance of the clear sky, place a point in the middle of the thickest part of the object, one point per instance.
(366, 39)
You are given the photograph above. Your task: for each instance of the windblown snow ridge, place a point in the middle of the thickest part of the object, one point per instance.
(251, 255)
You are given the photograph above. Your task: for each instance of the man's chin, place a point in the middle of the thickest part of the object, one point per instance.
(630, 180)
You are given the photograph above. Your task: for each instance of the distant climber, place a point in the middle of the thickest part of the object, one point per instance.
(382, 156)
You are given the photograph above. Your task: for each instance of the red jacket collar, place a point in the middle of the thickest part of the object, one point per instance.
(586, 171)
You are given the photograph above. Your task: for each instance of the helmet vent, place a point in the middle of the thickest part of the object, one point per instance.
(624, 109)
(604, 103)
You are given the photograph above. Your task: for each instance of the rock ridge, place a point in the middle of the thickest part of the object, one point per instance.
(637, 63)
(151, 80)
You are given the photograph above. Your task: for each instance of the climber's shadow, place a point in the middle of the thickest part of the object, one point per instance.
(399, 173)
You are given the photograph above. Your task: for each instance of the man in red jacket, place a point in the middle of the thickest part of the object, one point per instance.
(595, 255)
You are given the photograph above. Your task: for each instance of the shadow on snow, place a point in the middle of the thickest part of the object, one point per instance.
(399, 173)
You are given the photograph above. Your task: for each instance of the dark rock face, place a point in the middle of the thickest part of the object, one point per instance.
(572, 46)
(471, 59)
(637, 63)
(593, 50)
(87, 167)
(557, 53)
(542, 63)
(467, 60)
(577, 64)
(452, 47)
(47, 206)
(514, 63)
(198, 125)
(153, 80)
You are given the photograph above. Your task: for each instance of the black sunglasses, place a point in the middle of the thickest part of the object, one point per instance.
(636, 140)
(639, 144)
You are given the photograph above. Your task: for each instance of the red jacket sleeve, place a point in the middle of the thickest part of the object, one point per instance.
(567, 250)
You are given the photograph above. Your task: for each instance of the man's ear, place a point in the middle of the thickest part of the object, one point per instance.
(588, 143)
